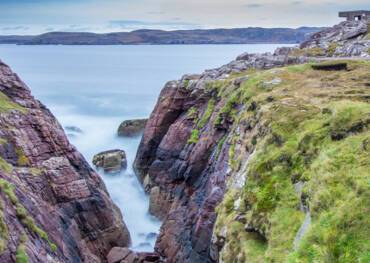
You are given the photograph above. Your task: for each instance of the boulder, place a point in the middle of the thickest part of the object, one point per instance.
(73, 129)
(117, 254)
(112, 161)
(125, 255)
(131, 128)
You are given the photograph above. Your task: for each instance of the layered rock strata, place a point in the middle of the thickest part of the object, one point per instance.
(53, 206)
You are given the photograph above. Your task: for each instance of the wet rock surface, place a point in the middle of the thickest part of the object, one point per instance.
(112, 161)
(131, 128)
(54, 205)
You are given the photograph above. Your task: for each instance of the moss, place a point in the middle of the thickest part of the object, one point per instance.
(21, 212)
(192, 113)
(309, 52)
(4, 232)
(332, 48)
(186, 83)
(207, 114)
(194, 137)
(22, 158)
(53, 247)
(229, 111)
(220, 145)
(5, 166)
(7, 105)
(2, 141)
(21, 255)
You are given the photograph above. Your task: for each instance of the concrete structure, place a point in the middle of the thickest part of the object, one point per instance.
(355, 15)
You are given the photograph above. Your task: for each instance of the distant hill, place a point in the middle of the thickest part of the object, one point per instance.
(249, 35)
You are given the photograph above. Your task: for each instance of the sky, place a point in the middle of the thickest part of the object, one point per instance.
(100, 16)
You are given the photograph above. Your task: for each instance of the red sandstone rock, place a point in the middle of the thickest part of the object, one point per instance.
(60, 193)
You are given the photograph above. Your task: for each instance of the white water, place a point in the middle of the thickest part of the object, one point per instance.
(97, 87)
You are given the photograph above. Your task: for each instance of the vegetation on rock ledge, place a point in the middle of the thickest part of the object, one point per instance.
(314, 133)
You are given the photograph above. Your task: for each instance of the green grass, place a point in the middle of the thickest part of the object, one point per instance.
(22, 158)
(5, 166)
(194, 137)
(7, 105)
(4, 232)
(207, 114)
(21, 255)
(332, 48)
(22, 214)
(316, 131)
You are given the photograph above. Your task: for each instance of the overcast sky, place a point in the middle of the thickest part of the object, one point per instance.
(38, 16)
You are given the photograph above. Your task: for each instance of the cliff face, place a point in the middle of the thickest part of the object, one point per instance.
(183, 157)
(260, 161)
(53, 206)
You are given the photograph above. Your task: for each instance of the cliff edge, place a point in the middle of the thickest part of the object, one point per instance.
(264, 159)
(53, 206)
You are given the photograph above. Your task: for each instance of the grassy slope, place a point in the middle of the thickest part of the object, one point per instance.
(318, 133)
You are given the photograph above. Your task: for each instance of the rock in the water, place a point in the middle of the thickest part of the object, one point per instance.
(73, 129)
(130, 128)
(112, 161)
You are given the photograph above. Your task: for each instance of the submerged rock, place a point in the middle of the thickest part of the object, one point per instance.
(112, 161)
(131, 128)
(73, 129)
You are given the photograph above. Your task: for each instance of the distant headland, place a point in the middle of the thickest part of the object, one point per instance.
(250, 35)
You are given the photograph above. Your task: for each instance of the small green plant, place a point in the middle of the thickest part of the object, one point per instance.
(21, 255)
(207, 114)
(5, 166)
(22, 158)
(186, 83)
(332, 48)
(220, 145)
(4, 233)
(7, 105)
(192, 113)
(21, 212)
(194, 137)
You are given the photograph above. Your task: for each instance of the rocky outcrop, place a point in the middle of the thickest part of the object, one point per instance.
(222, 151)
(54, 207)
(182, 159)
(131, 128)
(112, 161)
(347, 39)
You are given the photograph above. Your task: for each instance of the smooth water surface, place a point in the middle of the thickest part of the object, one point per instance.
(96, 87)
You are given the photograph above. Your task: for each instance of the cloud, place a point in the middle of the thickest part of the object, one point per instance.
(176, 23)
(297, 2)
(255, 5)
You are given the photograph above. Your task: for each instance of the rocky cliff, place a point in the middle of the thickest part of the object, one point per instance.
(347, 39)
(262, 160)
(53, 206)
